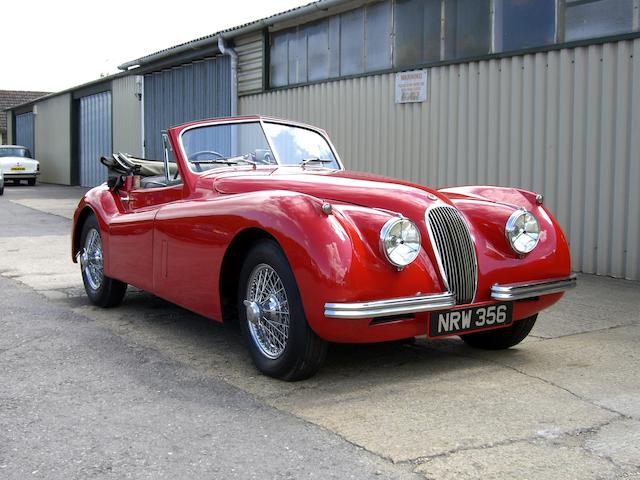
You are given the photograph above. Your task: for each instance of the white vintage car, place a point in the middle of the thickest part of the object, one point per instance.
(17, 163)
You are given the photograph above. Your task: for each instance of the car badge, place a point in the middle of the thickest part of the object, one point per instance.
(431, 196)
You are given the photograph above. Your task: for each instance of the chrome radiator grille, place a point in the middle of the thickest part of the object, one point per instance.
(453, 245)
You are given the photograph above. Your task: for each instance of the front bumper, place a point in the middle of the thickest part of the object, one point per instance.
(441, 301)
(20, 175)
(524, 290)
(390, 307)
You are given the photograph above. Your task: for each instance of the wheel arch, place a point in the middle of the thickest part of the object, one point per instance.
(82, 217)
(231, 265)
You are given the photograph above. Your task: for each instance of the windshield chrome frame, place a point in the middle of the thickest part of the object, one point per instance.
(261, 121)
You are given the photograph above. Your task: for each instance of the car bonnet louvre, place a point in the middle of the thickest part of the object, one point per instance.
(454, 248)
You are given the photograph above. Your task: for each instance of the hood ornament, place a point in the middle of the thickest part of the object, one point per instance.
(431, 196)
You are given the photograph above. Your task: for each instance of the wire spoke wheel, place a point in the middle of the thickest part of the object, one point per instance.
(91, 260)
(268, 314)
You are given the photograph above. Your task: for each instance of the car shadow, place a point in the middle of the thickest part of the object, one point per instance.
(219, 350)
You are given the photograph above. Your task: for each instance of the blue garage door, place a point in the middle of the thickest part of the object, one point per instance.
(24, 131)
(181, 94)
(94, 137)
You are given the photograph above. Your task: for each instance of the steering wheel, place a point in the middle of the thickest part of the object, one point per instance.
(196, 155)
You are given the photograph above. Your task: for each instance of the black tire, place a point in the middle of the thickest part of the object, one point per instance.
(501, 338)
(2, 190)
(303, 352)
(110, 292)
(31, 182)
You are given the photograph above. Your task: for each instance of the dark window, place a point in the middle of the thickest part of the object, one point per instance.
(279, 63)
(352, 42)
(298, 56)
(467, 28)
(597, 18)
(318, 48)
(417, 32)
(378, 37)
(524, 23)
(348, 44)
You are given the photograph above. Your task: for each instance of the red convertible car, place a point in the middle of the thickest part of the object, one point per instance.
(256, 219)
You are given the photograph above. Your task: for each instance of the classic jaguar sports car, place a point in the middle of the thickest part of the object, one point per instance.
(256, 219)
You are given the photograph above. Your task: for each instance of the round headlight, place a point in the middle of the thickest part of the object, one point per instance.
(400, 241)
(522, 231)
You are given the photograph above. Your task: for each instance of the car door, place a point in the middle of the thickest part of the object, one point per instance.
(131, 257)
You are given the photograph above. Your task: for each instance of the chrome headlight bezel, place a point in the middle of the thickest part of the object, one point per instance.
(522, 231)
(409, 235)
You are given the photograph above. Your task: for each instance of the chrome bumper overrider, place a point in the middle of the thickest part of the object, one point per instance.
(390, 307)
(519, 291)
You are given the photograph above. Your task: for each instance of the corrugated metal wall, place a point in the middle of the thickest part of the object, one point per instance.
(250, 50)
(127, 114)
(188, 92)
(53, 139)
(565, 123)
(94, 137)
(24, 130)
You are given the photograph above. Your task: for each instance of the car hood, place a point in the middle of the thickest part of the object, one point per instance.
(357, 188)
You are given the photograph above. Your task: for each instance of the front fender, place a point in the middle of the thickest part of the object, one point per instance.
(487, 210)
(98, 202)
(334, 258)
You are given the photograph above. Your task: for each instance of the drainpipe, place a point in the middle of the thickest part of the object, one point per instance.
(225, 50)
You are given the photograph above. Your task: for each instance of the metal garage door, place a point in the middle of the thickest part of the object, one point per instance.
(189, 92)
(94, 137)
(24, 130)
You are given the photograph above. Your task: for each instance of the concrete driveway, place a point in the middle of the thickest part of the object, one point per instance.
(564, 404)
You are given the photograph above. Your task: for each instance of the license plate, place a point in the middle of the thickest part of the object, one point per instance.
(15, 169)
(455, 322)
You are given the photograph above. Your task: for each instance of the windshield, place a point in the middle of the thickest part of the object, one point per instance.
(213, 146)
(14, 152)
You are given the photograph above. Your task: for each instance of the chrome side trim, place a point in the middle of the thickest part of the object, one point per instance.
(391, 306)
(519, 291)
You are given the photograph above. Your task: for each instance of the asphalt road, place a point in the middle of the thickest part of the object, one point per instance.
(149, 390)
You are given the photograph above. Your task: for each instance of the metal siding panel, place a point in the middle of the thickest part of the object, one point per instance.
(632, 222)
(24, 131)
(52, 128)
(606, 160)
(184, 93)
(621, 142)
(127, 116)
(95, 137)
(250, 63)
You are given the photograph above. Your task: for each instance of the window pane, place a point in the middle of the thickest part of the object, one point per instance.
(278, 68)
(352, 42)
(467, 28)
(597, 18)
(524, 23)
(378, 36)
(318, 48)
(297, 57)
(334, 47)
(417, 29)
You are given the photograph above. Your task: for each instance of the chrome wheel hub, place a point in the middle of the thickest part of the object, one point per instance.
(91, 261)
(267, 309)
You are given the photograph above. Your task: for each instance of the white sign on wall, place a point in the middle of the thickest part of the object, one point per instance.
(411, 86)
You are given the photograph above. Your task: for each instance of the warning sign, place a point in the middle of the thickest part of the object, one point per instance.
(411, 86)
